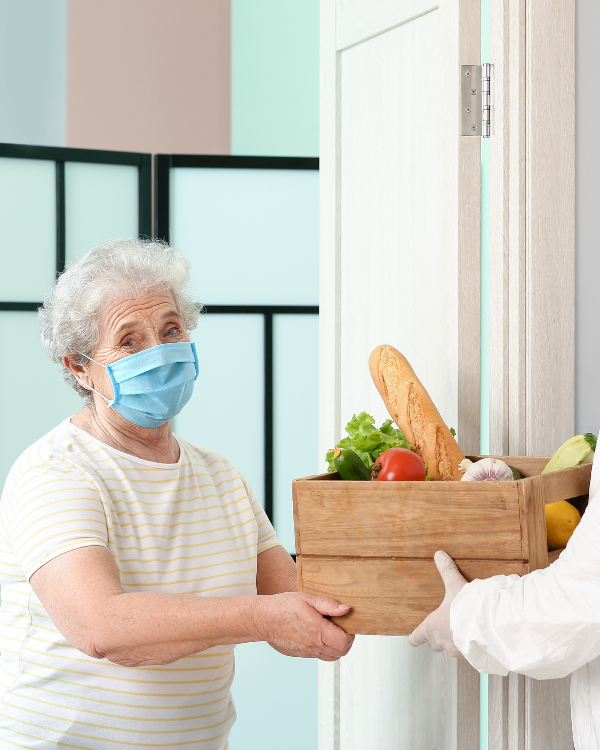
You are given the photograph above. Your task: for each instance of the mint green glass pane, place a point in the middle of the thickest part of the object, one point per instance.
(251, 234)
(33, 396)
(28, 222)
(276, 700)
(226, 412)
(296, 413)
(101, 204)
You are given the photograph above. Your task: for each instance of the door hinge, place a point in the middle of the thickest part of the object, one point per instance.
(476, 90)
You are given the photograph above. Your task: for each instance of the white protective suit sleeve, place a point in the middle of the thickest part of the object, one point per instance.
(545, 624)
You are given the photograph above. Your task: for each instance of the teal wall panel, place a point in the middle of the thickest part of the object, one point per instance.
(102, 203)
(275, 77)
(251, 234)
(28, 222)
(33, 61)
(33, 396)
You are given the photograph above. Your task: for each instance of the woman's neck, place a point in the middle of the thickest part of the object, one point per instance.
(156, 444)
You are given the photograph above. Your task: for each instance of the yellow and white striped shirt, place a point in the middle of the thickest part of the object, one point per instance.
(192, 528)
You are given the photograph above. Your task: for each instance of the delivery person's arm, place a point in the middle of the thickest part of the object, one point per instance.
(545, 624)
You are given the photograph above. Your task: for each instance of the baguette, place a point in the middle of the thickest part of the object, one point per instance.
(412, 409)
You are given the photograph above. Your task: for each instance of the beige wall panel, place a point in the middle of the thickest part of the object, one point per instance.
(149, 75)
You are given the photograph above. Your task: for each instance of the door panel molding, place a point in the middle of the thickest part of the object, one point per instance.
(532, 295)
(359, 20)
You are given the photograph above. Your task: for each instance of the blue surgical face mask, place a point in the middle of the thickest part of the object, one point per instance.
(152, 386)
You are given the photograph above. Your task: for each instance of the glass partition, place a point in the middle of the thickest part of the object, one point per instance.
(249, 226)
(101, 203)
(260, 225)
(226, 412)
(296, 413)
(33, 397)
(27, 189)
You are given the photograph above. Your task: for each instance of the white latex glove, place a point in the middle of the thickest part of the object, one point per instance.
(436, 627)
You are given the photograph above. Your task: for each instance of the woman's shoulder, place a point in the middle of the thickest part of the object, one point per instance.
(53, 452)
(198, 454)
(206, 460)
(225, 477)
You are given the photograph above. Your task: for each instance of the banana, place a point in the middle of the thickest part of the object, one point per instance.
(577, 450)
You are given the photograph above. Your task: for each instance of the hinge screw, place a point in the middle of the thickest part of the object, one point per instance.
(473, 127)
(468, 109)
(473, 92)
(468, 73)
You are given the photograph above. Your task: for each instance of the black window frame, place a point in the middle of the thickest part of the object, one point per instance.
(163, 163)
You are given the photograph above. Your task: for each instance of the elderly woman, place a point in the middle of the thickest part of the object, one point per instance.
(132, 561)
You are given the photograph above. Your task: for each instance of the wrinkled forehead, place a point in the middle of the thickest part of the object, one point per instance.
(125, 311)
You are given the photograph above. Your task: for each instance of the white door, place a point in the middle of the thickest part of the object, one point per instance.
(399, 265)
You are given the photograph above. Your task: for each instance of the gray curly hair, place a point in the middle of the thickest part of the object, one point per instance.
(69, 317)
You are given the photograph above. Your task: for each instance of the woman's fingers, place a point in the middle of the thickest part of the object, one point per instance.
(295, 625)
(336, 638)
(326, 606)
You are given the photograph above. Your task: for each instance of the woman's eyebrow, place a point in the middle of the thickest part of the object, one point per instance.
(130, 325)
(126, 327)
(169, 314)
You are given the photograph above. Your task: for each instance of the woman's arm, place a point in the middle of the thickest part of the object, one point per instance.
(82, 594)
(276, 572)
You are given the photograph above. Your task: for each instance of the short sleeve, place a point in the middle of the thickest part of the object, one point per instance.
(53, 510)
(266, 533)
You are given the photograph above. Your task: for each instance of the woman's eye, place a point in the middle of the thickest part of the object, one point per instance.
(128, 342)
(173, 331)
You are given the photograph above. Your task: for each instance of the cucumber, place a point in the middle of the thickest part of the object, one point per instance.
(349, 466)
(516, 472)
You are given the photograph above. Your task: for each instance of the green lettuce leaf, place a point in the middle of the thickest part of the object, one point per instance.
(367, 441)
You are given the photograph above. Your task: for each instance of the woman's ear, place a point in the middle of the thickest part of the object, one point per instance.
(77, 370)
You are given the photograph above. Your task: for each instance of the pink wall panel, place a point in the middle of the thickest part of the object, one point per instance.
(149, 75)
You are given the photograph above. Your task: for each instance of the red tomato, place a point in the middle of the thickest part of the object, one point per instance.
(398, 465)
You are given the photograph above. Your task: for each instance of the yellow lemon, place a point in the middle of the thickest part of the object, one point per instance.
(561, 521)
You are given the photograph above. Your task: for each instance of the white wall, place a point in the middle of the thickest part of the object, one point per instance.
(587, 145)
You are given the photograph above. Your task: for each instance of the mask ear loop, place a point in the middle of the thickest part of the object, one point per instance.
(85, 385)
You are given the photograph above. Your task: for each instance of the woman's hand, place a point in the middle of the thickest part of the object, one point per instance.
(294, 624)
(436, 627)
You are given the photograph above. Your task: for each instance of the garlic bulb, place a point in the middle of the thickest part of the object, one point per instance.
(488, 470)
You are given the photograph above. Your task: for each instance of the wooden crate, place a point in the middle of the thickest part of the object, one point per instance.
(370, 545)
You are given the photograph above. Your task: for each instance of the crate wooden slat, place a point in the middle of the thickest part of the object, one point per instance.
(371, 544)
